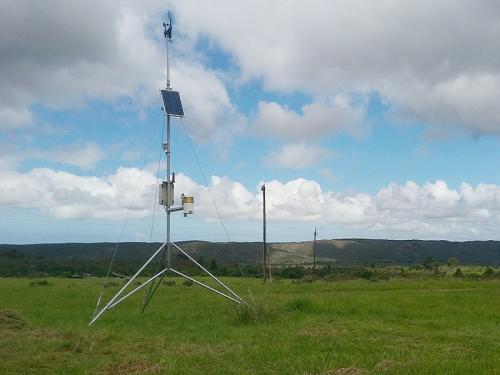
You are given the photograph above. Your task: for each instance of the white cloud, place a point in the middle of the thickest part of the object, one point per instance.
(84, 155)
(12, 117)
(68, 196)
(315, 121)
(297, 156)
(210, 114)
(67, 53)
(432, 210)
(434, 62)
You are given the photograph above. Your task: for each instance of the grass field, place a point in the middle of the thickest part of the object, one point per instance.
(444, 326)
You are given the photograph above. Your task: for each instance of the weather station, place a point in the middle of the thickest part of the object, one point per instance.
(172, 107)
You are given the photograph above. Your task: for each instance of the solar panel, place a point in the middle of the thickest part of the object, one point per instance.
(172, 103)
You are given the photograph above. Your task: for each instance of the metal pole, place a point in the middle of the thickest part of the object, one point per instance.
(206, 286)
(208, 272)
(169, 247)
(137, 288)
(314, 250)
(264, 243)
(126, 285)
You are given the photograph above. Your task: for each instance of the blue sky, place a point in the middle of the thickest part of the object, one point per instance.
(390, 131)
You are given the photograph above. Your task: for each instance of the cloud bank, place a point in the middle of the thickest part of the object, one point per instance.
(432, 63)
(69, 53)
(429, 210)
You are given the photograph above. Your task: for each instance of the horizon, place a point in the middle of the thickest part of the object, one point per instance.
(274, 242)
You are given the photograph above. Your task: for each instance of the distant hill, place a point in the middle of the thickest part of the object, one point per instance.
(343, 252)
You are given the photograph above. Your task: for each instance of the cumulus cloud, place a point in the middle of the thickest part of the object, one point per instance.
(210, 112)
(84, 155)
(68, 196)
(429, 210)
(437, 63)
(65, 54)
(316, 120)
(297, 156)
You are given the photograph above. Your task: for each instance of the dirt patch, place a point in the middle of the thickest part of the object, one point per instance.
(189, 349)
(10, 319)
(450, 290)
(456, 350)
(384, 365)
(321, 332)
(132, 367)
(349, 371)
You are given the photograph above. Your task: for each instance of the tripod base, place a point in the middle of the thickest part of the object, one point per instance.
(120, 296)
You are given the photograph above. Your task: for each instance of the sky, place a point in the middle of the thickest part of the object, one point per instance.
(364, 119)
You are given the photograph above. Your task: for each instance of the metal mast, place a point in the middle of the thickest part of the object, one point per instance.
(264, 242)
(167, 34)
(172, 106)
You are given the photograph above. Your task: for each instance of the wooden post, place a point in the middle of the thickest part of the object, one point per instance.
(264, 243)
(314, 249)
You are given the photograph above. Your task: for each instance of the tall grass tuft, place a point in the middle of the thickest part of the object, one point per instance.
(10, 319)
(301, 304)
(257, 312)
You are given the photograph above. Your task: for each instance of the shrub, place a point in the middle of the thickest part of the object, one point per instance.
(187, 283)
(458, 272)
(366, 274)
(453, 262)
(40, 283)
(111, 284)
(293, 272)
(301, 304)
(488, 273)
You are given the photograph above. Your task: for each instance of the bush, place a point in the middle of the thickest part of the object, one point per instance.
(366, 274)
(458, 273)
(169, 282)
(307, 279)
(453, 262)
(292, 272)
(488, 273)
(187, 283)
(40, 283)
(302, 304)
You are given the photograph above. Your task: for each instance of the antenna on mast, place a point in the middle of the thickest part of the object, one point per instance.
(167, 34)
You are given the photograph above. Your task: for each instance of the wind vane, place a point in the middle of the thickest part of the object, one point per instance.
(167, 33)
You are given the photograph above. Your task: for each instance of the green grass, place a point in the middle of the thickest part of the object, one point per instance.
(441, 326)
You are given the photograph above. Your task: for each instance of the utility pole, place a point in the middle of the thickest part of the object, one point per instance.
(264, 243)
(314, 249)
